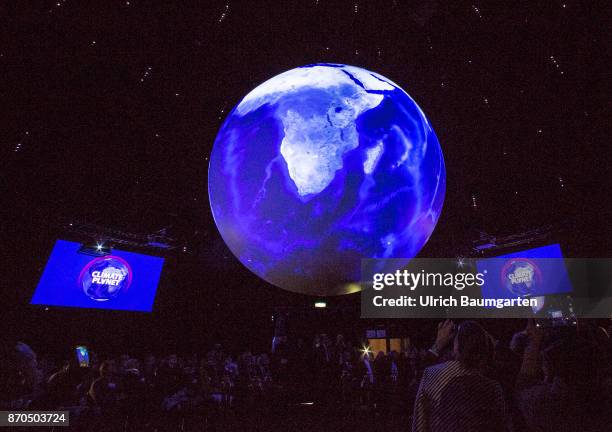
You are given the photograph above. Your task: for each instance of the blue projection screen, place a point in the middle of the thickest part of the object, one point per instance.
(547, 271)
(120, 281)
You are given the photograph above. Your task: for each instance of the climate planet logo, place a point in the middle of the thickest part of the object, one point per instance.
(105, 278)
(521, 276)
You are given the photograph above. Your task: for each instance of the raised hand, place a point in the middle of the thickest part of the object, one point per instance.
(446, 333)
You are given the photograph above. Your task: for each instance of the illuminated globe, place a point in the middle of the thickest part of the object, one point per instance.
(320, 167)
(105, 278)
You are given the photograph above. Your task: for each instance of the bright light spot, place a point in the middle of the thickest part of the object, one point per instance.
(366, 350)
(320, 304)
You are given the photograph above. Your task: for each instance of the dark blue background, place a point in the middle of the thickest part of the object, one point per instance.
(59, 285)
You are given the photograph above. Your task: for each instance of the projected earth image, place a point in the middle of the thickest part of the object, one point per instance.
(105, 278)
(320, 167)
(521, 277)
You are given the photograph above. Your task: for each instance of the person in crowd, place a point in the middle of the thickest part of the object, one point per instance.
(321, 351)
(338, 350)
(455, 395)
(381, 368)
(545, 383)
(519, 342)
(279, 365)
(466, 381)
(382, 377)
(149, 370)
(104, 391)
(364, 371)
(20, 377)
(412, 352)
(215, 359)
(169, 375)
(133, 386)
(63, 389)
(394, 366)
(346, 376)
(300, 368)
(230, 367)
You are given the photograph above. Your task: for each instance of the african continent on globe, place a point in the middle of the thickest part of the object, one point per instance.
(320, 167)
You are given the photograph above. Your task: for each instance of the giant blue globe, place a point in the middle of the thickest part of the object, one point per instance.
(320, 167)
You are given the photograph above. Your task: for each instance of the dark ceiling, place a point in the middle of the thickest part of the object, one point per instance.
(110, 110)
